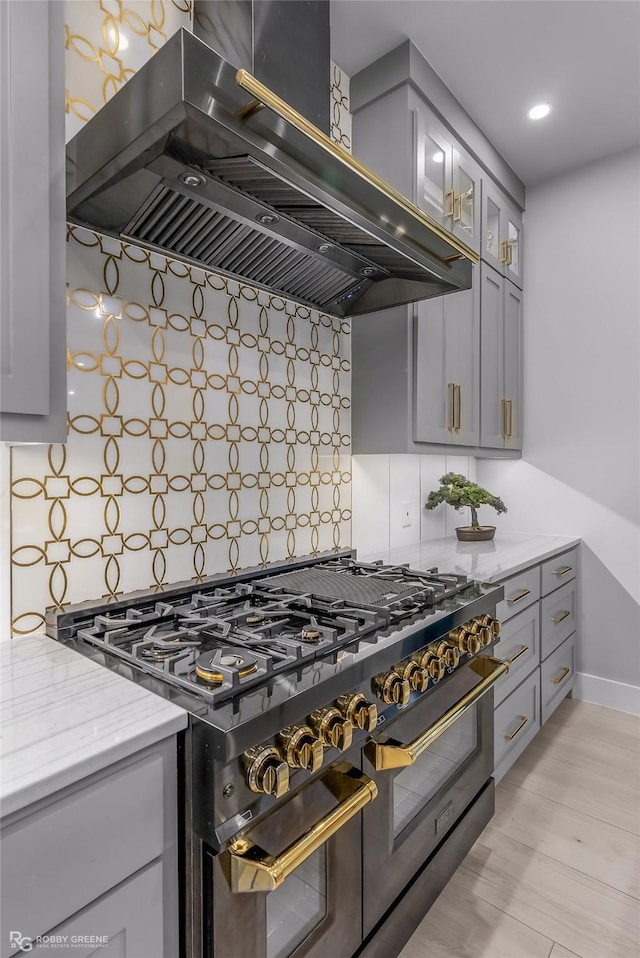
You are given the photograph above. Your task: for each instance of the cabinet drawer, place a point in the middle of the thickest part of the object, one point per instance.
(519, 592)
(517, 720)
(556, 677)
(67, 854)
(520, 646)
(557, 571)
(557, 618)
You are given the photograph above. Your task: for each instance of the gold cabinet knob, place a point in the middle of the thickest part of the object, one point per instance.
(465, 640)
(332, 728)
(392, 688)
(432, 663)
(359, 710)
(265, 770)
(449, 654)
(301, 748)
(416, 676)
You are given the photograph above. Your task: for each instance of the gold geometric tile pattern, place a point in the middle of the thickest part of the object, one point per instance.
(340, 108)
(106, 42)
(209, 422)
(209, 430)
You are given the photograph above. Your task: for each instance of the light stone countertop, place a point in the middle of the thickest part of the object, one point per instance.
(491, 561)
(63, 717)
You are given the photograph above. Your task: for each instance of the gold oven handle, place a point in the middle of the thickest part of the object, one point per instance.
(392, 754)
(268, 98)
(253, 869)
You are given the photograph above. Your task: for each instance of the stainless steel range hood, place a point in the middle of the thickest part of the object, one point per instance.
(204, 163)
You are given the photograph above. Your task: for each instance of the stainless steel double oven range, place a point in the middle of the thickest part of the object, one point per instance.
(337, 764)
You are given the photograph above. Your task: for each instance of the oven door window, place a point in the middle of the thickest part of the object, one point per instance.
(297, 906)
(415, 786)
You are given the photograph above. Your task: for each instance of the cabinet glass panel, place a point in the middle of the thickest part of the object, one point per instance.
(298, 906)
(464, 189)
(414, 787)
(513, 250)
(435, 171)
(492, 229)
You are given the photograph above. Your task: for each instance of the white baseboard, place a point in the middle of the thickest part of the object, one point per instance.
(615, 695)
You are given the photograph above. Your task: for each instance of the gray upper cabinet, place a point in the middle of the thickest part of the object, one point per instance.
(32, 223)
(447, 179)
(501, 361)
(446, 351)
(502, 234)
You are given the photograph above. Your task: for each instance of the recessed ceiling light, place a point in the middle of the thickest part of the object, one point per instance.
(438, 157)
(539, 111)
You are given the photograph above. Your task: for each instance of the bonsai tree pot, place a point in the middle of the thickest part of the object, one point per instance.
(480, 534)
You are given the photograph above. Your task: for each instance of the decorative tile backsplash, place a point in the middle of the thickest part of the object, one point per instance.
(209, 422)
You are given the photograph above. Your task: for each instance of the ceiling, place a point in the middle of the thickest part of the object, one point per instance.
(500, 57)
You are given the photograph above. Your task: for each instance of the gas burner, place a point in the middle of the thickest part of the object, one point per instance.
(254, 618)
(157, 653)
(310, 635)
(216, 665)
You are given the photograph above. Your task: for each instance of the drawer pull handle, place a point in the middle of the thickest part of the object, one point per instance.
(253, 869)
(565, 570)
(560, 678)
(557, 619)
(521, 651)
(511, 735)
(393, 754)
(518, 595)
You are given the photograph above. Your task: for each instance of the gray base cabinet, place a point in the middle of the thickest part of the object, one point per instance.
(538, 638)
(33, 397)
(98, 858)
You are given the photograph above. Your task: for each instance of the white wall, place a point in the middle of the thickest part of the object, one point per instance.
(580, 471)
(380, 487)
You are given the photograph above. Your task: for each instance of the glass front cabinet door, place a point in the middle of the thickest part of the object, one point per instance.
(447, 181)
(501, 233)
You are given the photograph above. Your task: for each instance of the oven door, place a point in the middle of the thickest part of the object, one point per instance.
(431, 762)
(290, 886)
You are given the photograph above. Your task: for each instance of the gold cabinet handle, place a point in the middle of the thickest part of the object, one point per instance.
(450, 195)
(509, 419)
(511, 735)
(263, 95)
(503, 403)
(509, 261)
(518, 595)
(560, 678)
(457, 395)
(253, 869)
(557, 619)
(521, 651)
(503, 252)
(392, 754)
(565, 570)
(457, 216)
(452, 416)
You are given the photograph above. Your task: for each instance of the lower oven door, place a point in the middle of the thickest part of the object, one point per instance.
(290, 887)
(431, 762)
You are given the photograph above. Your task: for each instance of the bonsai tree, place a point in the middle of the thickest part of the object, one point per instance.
(457, 491)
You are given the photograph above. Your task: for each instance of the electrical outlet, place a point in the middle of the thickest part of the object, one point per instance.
(407, 518)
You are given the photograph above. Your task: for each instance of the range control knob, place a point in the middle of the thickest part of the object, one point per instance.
(265, 770)
(359, 710)
(416, 676)
(392, 688)
(493, 624)
(432, 663)
(449, 654)
(465, 641)
(332, 728)
(482, 631)
(301, 747)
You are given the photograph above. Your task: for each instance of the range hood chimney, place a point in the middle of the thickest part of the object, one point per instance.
(217, 153)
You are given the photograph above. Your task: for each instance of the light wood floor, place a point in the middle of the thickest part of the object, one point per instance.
(557, 872)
